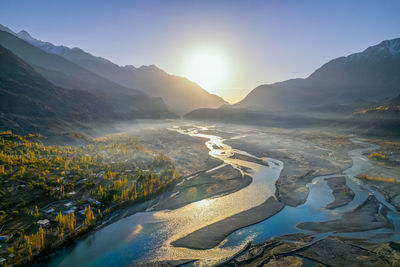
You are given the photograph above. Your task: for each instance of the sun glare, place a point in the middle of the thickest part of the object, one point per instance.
(208, 68)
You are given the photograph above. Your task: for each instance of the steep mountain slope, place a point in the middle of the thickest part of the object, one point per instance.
(128, 103)
(180, 94)
(372, 74)
(28, 102)
(57, 69)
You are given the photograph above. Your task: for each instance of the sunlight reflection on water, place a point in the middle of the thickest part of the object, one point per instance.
(147, 236)
(185, 220)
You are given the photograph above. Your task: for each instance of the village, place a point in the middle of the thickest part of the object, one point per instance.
(49, 195)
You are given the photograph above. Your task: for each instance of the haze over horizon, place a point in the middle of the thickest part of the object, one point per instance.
(251, 44)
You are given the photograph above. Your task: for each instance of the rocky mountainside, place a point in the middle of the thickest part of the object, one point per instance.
(180, 94)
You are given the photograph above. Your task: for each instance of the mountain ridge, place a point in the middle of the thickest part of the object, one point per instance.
(127, 102)
(31, 103)
(149, 79)
(359, 92)
(371, 73)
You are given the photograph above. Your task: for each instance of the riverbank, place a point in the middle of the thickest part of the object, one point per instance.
(368, 216)
(114, 214)
(328, 251)
(341, 192)
(306, 154)
(211, 235)
(386, 170)
(220, 181)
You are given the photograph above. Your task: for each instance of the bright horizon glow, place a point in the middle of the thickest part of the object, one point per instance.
(260, 41)
(208, 68)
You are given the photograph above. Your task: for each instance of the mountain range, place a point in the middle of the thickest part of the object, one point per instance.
(49, 88)
(371, 74)
(357, 91)
(126, 103)
(180, 94)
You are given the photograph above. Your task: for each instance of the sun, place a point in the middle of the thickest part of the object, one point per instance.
(208, 68)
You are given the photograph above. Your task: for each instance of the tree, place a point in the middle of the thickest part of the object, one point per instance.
(60, 232)
(89, 217)
(28, 245)
(66, 221)
(36, 214)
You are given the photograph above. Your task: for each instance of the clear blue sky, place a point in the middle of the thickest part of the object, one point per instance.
(265, 41)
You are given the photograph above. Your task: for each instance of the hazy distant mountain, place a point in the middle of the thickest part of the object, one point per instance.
(28, 102)
(180, 94)
(128, 103)
(372, 74)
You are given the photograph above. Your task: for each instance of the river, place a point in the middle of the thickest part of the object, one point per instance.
(147, 236)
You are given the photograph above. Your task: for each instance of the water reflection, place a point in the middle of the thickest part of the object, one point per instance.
(151, 233)
(147, 236)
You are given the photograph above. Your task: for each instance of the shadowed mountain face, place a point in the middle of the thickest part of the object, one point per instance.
(372, 74)
(380, 119)
(28, 102)
(180, 94)
(126, 103)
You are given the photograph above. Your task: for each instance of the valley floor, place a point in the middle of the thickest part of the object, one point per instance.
(308, 154)
(320, 203)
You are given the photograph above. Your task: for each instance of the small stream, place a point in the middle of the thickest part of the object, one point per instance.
(146, 236)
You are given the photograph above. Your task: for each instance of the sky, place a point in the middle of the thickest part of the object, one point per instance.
(255, 42)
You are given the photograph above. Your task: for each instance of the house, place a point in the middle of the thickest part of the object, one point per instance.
(3, 237)
(68, 204)
(49, 211)
(43, 223)
(65, 212)
(2, 260)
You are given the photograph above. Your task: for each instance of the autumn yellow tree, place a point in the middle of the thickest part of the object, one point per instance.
(89, 217)
(27, 245)
(66, 221)
(36, 213)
